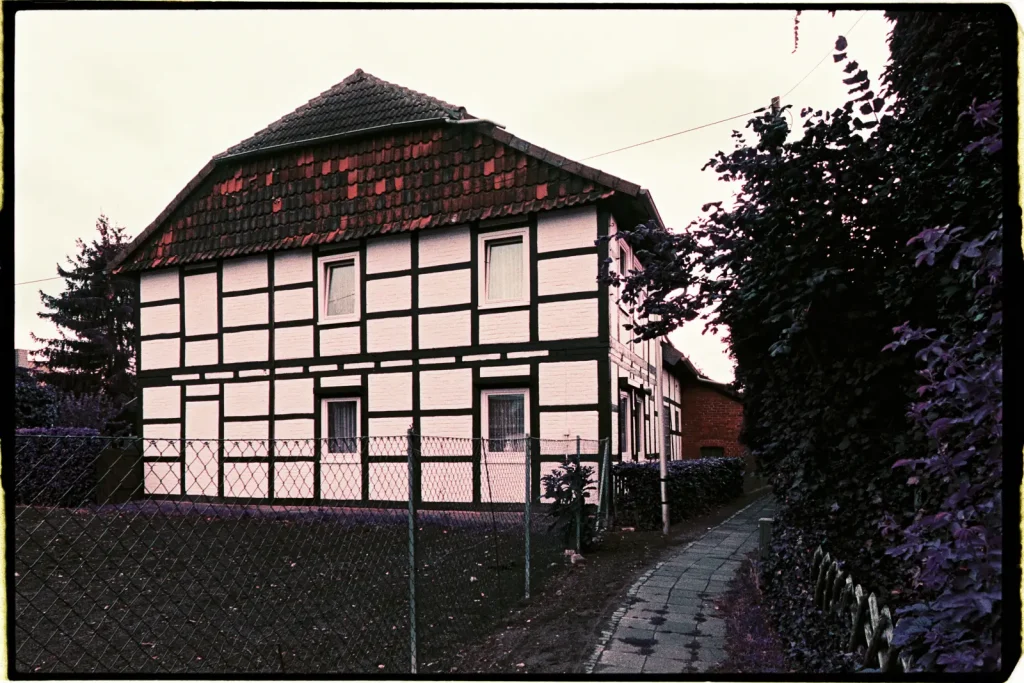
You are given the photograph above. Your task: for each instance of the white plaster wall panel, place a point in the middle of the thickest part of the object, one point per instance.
(293, 342)
(248, 439)
(158, 285)
(162, 478)
(503, 478)
(439, 246)
(202, 389)
(293, 267)
(567, 383)
(457, 427)
(571, 229)
(246, 480)
(160, 353)
(445, 330)
(339, 341)
(342, 381)
(566, 275)
(244, 399)
(567, 320)
(251, 309)
(505, 371)
(389, 391)
(201, 304)
(389, 334)
(244, 273)
(161, 440)
(293, 396)
(449, 482)
(389, 294)
(161, 402)
(569, 425)
(341, 482)
(202, 352)
(202, 431)
(446, 389)
(389, 481)
(389, 426)
(159, 319)
(294, 438)
(505, 328)
(385, 254)
(446, 288)
(293, 304)
(246, 347)
(293, 480)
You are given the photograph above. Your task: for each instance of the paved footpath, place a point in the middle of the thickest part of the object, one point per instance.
(668, 623)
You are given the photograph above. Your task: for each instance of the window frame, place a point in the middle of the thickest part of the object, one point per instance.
(326, 455)
(485, 416)
(324, 264)
(484, 271)
(717, 448)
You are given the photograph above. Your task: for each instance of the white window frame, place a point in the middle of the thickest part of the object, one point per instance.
(485, 416)
(483, 239)
(325, 455)
(323, 264)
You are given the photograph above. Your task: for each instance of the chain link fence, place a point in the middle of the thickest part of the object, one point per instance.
(356, 555)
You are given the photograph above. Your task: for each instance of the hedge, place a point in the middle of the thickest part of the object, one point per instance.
(56, 465)
(694, 486)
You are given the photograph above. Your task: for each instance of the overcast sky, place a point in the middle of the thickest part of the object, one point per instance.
(115, 111)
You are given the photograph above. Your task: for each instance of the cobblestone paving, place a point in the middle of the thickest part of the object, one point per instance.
(668, 622)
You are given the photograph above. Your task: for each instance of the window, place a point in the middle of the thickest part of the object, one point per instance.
(666, 426)
(505, 277)
(339, 288)
(712, 452)
(623, 422)
(341, 425)
(505, 418)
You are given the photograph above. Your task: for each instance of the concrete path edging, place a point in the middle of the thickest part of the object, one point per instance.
(672, 637)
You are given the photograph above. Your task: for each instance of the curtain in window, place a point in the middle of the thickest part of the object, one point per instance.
(341, 427)
(341, 289)
(506, 422)
(505, 270)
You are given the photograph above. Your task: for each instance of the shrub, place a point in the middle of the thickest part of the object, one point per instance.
(35, 403)
(570, 484)
(693, 487)
(85, 411)
(56, 466)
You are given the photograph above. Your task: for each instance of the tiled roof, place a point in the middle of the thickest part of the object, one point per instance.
(274, 192)
(359, 102)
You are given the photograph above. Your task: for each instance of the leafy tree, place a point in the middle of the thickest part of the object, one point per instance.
(35, 403)
(94, 350)
(810, 272)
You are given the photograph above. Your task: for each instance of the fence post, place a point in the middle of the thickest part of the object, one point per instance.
(526, 513)
(606, 504)
(413, 494)
(579, 508)
(764, 526)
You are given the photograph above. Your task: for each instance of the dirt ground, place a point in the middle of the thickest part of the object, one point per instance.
(557, 630)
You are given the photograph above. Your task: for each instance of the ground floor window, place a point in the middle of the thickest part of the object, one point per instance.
(340, 422)
(504, 417)
(712, 452)
(666, 426)
(623, 422)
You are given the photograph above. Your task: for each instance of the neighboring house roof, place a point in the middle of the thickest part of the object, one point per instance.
(365, 157)
(674, 359)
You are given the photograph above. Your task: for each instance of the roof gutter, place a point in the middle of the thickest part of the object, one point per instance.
(331, 138)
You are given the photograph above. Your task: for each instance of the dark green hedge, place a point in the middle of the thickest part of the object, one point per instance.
(694, 487)
(56, 465)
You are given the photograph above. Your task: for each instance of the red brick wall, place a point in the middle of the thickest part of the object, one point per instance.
(709, 418)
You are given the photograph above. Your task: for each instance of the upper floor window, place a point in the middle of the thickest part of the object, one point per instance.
(505, 277)
(339, 288)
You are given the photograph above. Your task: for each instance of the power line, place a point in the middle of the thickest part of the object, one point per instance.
(737, 116)
(671, 135)
(848, 32)
(45, 279)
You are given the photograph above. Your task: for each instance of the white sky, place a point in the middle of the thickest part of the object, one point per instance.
(115, 111)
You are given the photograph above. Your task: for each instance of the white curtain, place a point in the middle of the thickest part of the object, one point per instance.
(506, 422)
(341, 289)
(341, 427)
(505, 270)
